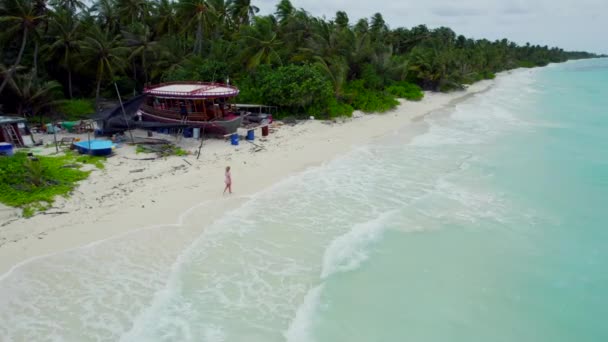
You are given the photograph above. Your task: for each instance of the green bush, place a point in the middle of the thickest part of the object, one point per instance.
(76, 109)
(336, 109)
(298, 89)
(26, 183)
(526, 64)
(489, 75)
(368, 100)
(406, 90)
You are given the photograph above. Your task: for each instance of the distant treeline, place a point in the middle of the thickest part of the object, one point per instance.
(58, 51)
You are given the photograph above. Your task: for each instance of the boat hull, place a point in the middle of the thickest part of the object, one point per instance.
(220, 127)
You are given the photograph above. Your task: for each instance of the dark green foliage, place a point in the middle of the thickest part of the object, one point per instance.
(196, 69)
(405, 90)
(370, 77)
(25, 182)
(368, 100)
(301, 88)
(75, 109)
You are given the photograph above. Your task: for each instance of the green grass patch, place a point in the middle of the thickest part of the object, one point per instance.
(76, 109)
(97, 161)
(140, 149)
(33, 184)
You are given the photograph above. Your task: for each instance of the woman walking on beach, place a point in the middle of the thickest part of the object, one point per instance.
(228, 181)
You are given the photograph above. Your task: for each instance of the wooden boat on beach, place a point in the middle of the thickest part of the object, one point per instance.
(192, 104)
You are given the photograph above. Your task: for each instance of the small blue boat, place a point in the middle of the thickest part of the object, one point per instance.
(97, 147)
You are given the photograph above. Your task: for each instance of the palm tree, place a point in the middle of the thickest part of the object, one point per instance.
(40, 10)
(70, 5)
(107, 14)
(106, 52)
(34, 94)
(65, 36)
(341, 19)
(132, 11)
(261, 43)
(285, 10)
(195, 13)
(164, 14)
(219, 20)
(21, 18)
(336, 69)
(139, 39)
(332, 43)
(242, 11)
(171, 53)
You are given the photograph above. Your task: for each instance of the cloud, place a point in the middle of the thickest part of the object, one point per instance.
(514, 10)
(449, 11)
(571, 24)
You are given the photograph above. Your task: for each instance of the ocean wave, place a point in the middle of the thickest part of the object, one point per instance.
(347, 252)
(301, 327)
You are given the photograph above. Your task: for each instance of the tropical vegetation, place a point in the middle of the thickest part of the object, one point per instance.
(59, 50)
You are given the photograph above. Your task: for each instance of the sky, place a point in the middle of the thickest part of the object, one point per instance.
(569, 24)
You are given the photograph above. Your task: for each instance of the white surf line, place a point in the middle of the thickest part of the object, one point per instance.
(178, 223)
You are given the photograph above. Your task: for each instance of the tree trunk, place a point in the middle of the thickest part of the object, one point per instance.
(10, 71)
(143, 66)
(198, 44)
(97, 93)
(69, 75)
(70, 82)
(134, 78)
(36, 59)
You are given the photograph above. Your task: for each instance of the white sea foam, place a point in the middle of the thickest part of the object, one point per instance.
(348, 251)
(301, 327)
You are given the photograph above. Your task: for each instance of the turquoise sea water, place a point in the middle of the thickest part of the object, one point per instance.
(490, 225)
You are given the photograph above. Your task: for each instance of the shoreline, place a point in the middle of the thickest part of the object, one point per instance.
(124, 198)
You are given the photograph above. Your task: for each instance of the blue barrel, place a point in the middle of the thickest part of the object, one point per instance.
(250, 135)
(187, 132)
(6, 149)
(234, 139)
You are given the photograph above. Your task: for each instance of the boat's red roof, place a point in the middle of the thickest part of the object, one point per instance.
(192, 90)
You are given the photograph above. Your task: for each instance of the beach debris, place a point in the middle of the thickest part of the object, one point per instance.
(141, 158)
(137, 170)
(162, 150)
(53, 212)
(257, 147)
(290, 120)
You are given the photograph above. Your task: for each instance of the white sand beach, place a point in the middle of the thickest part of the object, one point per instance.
(132, 193)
